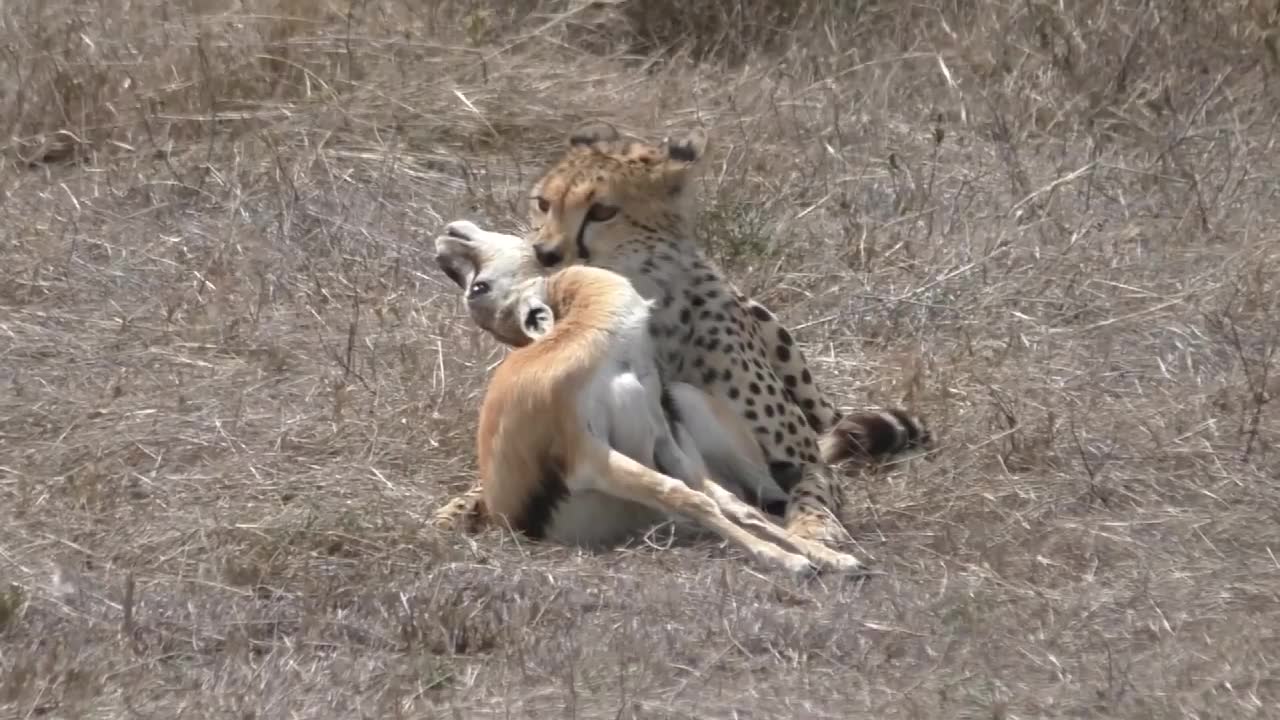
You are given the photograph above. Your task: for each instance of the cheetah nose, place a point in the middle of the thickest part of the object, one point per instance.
(548, 258)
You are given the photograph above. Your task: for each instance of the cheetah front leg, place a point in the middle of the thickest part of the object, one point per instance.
(814, 506)
(465, 512)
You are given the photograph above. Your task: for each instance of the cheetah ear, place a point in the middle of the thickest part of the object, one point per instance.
(590, 135)
(686, 149)
(683, 152)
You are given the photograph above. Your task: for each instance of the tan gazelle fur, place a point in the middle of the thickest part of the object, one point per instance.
(580, 440)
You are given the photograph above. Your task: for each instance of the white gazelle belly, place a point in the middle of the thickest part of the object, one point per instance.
(592, 518)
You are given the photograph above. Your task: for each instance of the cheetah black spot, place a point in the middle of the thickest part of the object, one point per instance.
(746, 366)
(807, 403)
(789, 381)
(791, 428)
(667, 300)
(751, 402)
(761, 313)
(751, 415)
(770, 390)
(719, 317)
(805, 377)
(768, 410)
(777, 437)
(727, 375)
(712, 294)
(754, 388)
(714, 331)
(713, 343)
(698, 301)
(784, 353)
(704, 315)
(697, 362)
(791, 452)
(708, 377)
(784, 337)
(686, 316)
(733, 393)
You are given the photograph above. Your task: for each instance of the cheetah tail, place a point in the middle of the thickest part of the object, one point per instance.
(873, 435)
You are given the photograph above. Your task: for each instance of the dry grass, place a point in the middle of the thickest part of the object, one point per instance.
(233, 385)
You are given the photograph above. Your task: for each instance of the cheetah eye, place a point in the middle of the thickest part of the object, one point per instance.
(478, 288)
(543, 204)
(601, 213)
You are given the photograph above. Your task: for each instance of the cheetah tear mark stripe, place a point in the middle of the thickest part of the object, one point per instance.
(581, 239)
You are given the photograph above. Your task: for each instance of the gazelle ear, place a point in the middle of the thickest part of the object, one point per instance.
(536, 318)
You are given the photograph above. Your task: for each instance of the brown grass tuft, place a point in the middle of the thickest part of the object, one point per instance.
(233, 386)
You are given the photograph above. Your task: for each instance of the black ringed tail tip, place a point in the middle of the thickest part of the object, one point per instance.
(876, 435)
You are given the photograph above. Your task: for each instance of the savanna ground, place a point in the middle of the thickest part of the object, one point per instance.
(234, 385)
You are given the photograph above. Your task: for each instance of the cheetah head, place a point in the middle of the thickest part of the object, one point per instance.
(503, 281)
(606, 190)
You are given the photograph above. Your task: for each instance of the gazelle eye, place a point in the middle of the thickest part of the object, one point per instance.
(601, 213)
(478, 288)
(543, 204)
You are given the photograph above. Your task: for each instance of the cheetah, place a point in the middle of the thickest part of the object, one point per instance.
(628, 206)
(580, 439)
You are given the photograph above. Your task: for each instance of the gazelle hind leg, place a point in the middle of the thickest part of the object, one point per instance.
(747, 516)
(711, 430)
(610, 471)
(733, 465)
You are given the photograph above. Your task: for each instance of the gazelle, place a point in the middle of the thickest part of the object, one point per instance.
(580, 441)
